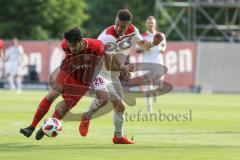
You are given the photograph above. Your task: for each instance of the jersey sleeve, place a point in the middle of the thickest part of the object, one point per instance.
(101, 49)
(137, 36)
(21, 51)
(64, 47)
(103, 37)
(1, 44)
(7, 53)
(108, 41)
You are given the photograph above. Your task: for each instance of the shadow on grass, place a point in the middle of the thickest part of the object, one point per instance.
(188, 133)
(19, 147)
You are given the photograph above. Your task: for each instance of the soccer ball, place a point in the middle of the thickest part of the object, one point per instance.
(52, 127)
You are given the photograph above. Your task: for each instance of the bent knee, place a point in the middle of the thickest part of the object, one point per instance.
(119, 107)
(52, 96)
(103, 101)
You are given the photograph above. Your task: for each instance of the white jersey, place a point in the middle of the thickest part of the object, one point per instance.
(153, 54)
(121, 45)
(13, 55)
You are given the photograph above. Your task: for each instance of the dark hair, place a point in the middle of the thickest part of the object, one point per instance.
(73, 35)
(124, 15)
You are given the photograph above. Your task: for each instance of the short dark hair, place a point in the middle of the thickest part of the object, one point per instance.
(124, 15)
(73, 35)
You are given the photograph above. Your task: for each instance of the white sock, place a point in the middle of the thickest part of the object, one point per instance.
(11, 83)
(19, 84)
(154, 98)
(92, 108)
(149, 104)
(118, 119)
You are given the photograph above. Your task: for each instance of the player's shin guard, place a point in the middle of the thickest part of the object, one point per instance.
(118, 119)
(41, 111)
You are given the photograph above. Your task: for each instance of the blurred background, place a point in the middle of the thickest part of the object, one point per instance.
(203, 37)
(202, 57)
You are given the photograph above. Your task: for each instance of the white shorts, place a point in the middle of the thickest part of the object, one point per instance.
(11, 69)
(113, 88)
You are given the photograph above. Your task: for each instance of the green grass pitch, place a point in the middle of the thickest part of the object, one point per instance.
(213, 133)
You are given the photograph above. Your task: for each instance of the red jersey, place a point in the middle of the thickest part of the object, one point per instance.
(76, 71)
(94, 46)
(83, 63)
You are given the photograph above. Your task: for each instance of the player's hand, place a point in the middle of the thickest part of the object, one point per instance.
(125, 76)
(158, 37)
(131, 67)
(127, 68)
(128, 76)
(140, 50)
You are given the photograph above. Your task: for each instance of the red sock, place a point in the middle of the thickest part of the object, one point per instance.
(57, 115)
(41, 111)
(70, 103)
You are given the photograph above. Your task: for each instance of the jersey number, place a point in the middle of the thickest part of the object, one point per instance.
(98, 81)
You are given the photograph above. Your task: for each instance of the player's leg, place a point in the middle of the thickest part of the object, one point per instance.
(8, 74)
(118, 117)
(13, 76)
(41, 111)
(64, 107)
(57, 84)
(11, 82)
(19, 83)
(118, 120)
(148, 101)
(102, 98)
(148, 91)
(156, 82)
(99, 87)
(59, 113)
(116, 96)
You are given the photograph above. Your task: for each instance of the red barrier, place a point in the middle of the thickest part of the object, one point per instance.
(179, 58)
(46, 55)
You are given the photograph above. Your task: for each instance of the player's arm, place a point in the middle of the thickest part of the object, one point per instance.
(108, 61)
(1, 49)
(109, 57)
(163, 44)
(149, 44)
(1, 53)
(145, 44)
(6, 55)
(140, 50)
(20, 57)
(112, 63)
